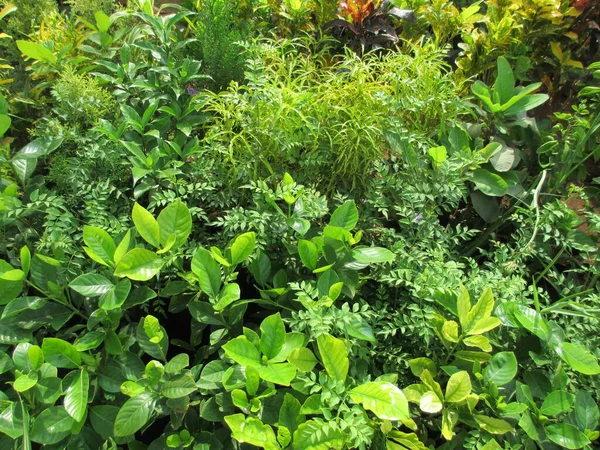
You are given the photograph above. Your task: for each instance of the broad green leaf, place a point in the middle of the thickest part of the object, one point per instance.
(526, 103)
(76, 395)
(51, 426)
(289, 413)
(11, 421)
(438, 155)
(89, 341)
(177, 363)
(25, 382)
(208, 272)
(334, 356)
(175, 219)
(532, 321)
(179, 387)
(480, 342)
(60, 353)
(480, 311)
(102, 21)
(230, 293)
(579, 359)
(384, 399)
(527, 425)
(345, 216)
(251, 430)
(369, 255)
(101, 246)
(492, 425)
(280, 373)
(242, 247)
(557, 402)
(458, 387)
(417, 365)
(318, 435)
(35, 356)
(154, 372)
(504, 160)
(484, 325)
(48, 390)
(430, 403)
(124, 246)
(501, 369)
(292, 342)
(134, 414)
(25, 256)
(566, 435)
(240, 399)
(309, 255)
(36, 51)
(22, 304)
(139, 264)
(303, 358)
(463, 305)
(272, 336)
(146, 225)
(153, 329)
(91, 285)
(449, 420)
(103, 418)
(116, 296)
(450, 331)
(505, 81)
(489, 183)
(243, 352)
(586, 411)
(5, 122)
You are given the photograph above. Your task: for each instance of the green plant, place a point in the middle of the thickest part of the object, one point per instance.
(219, 32)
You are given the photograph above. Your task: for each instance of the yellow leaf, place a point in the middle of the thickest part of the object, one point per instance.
(556, 50)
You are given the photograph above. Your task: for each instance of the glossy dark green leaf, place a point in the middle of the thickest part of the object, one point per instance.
(134, 414)
(52, 425)
(566, 435)
(60, 353)
(91, 285)
(76, 394)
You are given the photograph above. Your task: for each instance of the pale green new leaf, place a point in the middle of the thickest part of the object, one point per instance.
(175, 219)
(458, 387)
(139, 264)
(146, 225)
(384, 399)
(334, 356)
(242, 351)
(272, 335)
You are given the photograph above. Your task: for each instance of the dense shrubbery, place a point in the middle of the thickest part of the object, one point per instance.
(284, 224)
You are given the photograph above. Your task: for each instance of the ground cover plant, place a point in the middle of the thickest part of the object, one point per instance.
(299, 224)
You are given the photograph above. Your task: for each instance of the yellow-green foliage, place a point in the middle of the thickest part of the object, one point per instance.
(299, 109)
(82, 100)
